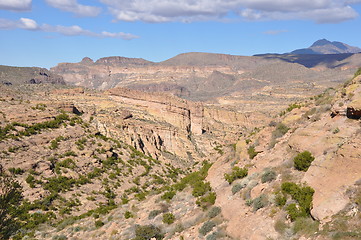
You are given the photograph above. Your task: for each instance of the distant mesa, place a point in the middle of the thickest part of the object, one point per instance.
(324, 46)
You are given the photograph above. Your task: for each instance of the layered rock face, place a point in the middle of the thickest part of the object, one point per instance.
(238, 81)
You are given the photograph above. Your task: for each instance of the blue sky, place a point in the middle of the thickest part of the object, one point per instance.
(46, 32)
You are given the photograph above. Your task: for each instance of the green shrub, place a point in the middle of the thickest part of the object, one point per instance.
(10, 199)
(168, 218)
(16, 171)
(236, 173)
(280, 199)
(200, 188)
(128, 215)
(206, 200)
(30, 179)
(303, 161)
(268, 176)
(214, 211)
(206, 227)
(303, 196)
(98, 223)
(147, 232)
(168, 195)
(213, 236)
(252, 152)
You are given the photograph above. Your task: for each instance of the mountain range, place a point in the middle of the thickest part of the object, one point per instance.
(323, 46)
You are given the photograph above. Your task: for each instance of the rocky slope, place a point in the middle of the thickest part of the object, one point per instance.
(28, 75)
(274, 81)
(126, 164)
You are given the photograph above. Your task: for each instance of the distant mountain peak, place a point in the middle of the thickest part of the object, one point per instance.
(321, 42)
(324, 46)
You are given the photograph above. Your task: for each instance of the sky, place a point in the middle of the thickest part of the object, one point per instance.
(44, 33)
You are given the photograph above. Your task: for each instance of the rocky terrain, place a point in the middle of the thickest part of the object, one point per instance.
(242, 82)
(137, 163)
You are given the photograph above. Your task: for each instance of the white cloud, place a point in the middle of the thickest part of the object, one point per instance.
(274, 32)
(320, 11)
(16, 5)
(30, 24)
(74, 7)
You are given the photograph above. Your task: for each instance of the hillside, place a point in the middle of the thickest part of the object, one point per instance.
(126, 164)
(272, 80)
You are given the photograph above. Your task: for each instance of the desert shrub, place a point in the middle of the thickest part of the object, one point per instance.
(237, 187)
(206, 227)
(154, 213)
(281, 129)
(252, 152)
(268, 176)
(303, 196)
(201, 188)
(236, 173)
(214, 211)
(168, 218)
(98, 223)
(147, 232)
(59, 184)
(128, 215)
(168, 195)
(303, 161)
(206, 200)
(30, 179)
(305, 226)
(10, 199)
(280, 226)
(212, 236)
(280, 199)
(259, 202)
(16, 171)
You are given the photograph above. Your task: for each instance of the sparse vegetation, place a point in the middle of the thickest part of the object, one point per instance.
(252, 152)
(268, 176)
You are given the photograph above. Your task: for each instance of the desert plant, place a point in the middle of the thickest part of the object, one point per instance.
(168, 195)
(268, 176)
(303, 161)
(147, 232)
(98, 223)
(168, 218)
(10, 199)
(237, 187)
(236, 173)
(214, 211)
(128, 215)
(252, 152)
(303, 196)
(259, 202)
(206, 227)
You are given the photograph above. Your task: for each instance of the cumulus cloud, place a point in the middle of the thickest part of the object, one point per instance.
(30, 24)
(15, 5)
(74, 7)
(320, 11)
